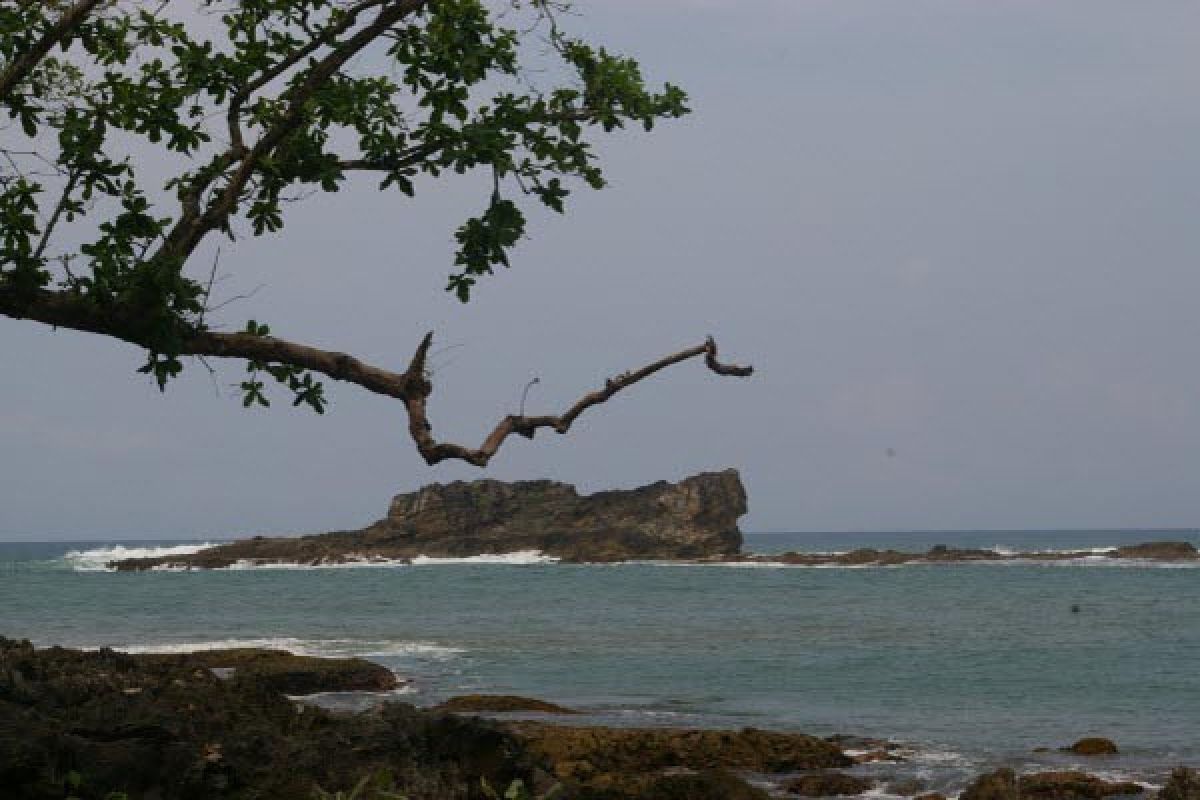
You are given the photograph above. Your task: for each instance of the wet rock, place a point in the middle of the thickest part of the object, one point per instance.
(827, 784)
(907, 787)
(188, 735)
(1159, 551)
(693, 519)
(1072, 785)
(1184, 784)
(500, 703)
(998, 785)
(592, 755)
(284, 671)
(1094, 746)
(715, 784)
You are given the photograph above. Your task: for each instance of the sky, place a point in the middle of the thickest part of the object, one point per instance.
(957, 239)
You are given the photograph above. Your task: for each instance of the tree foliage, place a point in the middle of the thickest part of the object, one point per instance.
(252, 103)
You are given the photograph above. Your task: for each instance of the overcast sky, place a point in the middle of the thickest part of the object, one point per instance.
(957, 239)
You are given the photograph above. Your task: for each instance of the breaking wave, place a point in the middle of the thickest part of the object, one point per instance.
(96, 559)
(322, 648)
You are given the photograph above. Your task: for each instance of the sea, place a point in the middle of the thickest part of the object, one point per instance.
(965, 666)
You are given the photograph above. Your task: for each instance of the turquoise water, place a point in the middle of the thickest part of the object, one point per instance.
(968, 664)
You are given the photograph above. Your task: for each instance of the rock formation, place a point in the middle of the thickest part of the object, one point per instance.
(693, 519)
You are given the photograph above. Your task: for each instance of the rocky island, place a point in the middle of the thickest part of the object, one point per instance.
(693, 520)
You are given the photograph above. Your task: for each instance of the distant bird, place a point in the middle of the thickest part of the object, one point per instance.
(1074, 609)
(891, 452)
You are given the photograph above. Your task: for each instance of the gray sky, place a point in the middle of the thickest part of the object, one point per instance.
(963, 230)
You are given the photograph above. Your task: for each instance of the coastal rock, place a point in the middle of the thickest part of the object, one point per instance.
(1159, 551)
(998, 785)
(1094, 746)
(1003, 784)
(286, 672)
(827, 784)
(1072, 785)
(598, 756)
(713, 784)
(693, 519)
(167, 729)
(1184, 784)
(500, 703)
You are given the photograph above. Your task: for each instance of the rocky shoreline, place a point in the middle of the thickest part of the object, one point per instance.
(220, 724)
(694, 520)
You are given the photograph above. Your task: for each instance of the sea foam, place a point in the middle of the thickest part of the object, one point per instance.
(323, 648)
(96, 559)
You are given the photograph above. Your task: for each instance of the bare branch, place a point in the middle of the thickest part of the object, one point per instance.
(434, 451)
(413, 386)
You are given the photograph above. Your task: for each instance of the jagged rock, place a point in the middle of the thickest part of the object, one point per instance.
(1184, 784)
(500, 703)
(693, 519)
(827, 784)
(1159, 551)
(1094, 746)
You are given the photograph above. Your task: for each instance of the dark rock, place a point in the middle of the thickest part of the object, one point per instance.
(500, 703)
(693, 519)
(827, 784)
(167, 729)
(1094, 746)
(599, 756)
(1071, 785)
(998, 785)
(286, 672)
(1159, 551)
(1184, 784)
(715, 784)
(908, 787)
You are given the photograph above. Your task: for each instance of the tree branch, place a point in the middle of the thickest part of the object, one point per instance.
(25, 63)
(413, 386)
(434, 451)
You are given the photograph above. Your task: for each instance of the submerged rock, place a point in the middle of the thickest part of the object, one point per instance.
(693, 519)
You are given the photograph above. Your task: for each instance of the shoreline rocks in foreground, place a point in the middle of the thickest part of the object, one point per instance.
(695, 518)
(87, 724)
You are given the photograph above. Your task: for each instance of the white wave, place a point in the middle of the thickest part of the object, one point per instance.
(517, 558)
(324, 648)
(351, 562)
(96, 559)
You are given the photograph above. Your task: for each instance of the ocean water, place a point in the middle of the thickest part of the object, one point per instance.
(967, 665)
